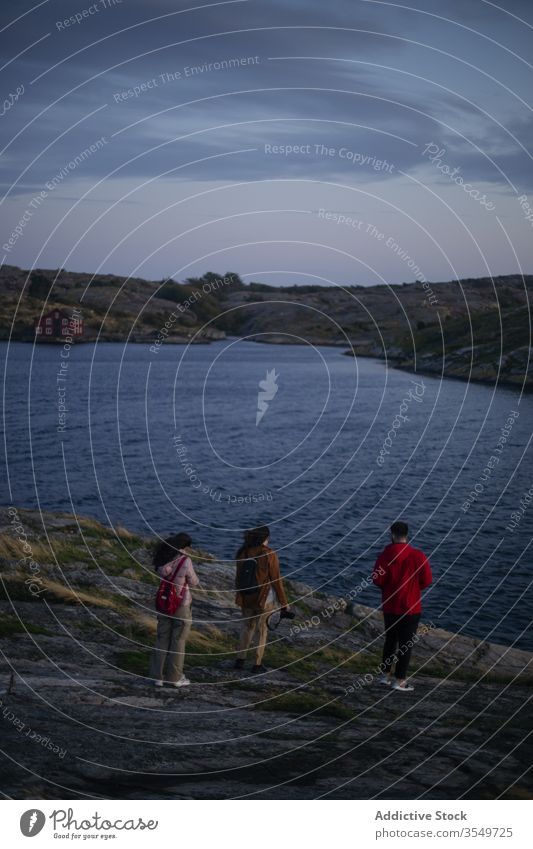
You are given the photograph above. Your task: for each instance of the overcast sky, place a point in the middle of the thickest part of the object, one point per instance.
(151, 138)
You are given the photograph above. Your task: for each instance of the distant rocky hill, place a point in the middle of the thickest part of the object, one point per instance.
(475, 329)
(487, 346)
(80, 718)
(114, 309)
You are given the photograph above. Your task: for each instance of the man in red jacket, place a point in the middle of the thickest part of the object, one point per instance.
(401, 572)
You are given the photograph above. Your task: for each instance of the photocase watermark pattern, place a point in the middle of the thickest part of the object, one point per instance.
(526, 208)
(64, 370)
(400, 418)
(518, 514)
(33, 583)
(436, 154)
(207, 288)
(11, 99)
(67, 824)
(389, 242)
(26, 731)
(340, 605)
(66, 821)
(80, 16)
(268, 389)
(325, 151)
(32, 822)
(492, 462)
(216, 495)
(187, 72)
(370, 677)
(37, 200)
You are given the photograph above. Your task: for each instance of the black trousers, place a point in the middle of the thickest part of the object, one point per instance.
(400, 628)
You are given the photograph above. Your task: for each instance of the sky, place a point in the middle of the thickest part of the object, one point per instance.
(292, 141)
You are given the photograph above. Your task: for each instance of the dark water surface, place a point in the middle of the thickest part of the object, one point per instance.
(169, 441)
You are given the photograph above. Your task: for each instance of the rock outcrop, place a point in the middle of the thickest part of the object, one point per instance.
(80, 718)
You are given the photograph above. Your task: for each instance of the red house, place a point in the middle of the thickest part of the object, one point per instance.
(57, 323)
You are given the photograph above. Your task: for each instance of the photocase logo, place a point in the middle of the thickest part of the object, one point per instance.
(267, 390)
(32, 822)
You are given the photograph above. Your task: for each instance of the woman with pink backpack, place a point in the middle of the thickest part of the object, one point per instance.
(174, 610)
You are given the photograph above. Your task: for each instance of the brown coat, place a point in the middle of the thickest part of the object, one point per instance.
(268, 575)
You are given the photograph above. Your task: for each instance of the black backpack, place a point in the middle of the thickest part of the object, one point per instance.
(247, 578)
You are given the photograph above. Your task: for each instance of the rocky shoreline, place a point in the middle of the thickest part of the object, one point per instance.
(435, 367)
(80, 718)
(430, 366)
(475, 329)
(137, 339)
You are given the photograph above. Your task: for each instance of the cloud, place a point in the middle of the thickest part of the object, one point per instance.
(219, 94)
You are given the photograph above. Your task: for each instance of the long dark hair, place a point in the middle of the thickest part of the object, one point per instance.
(169, 548)
(253, 539)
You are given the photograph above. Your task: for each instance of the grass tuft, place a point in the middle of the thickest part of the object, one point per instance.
(300, 704)
(10, 625)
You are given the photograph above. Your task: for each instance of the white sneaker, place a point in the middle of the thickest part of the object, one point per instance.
(406, 688)
(158, 683)
(183, 682)
(383, 679)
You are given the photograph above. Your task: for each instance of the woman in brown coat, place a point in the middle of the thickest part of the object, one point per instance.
(259, 592)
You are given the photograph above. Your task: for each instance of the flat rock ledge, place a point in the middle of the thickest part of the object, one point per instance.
(81, 719)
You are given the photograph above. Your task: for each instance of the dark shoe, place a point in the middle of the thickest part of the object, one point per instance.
(239, 664)
(258, 669)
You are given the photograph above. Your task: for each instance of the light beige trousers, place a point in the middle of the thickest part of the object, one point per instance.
(254, 618)
(169, 652)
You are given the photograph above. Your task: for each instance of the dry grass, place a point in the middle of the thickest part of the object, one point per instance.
(16, 587)
(66, 595)
(123, 533)
(13, 548)
(68, 549)
(147, 624)
(199, 556)
(92, 525)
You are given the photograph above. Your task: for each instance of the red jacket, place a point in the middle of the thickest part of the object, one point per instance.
(402, 572)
